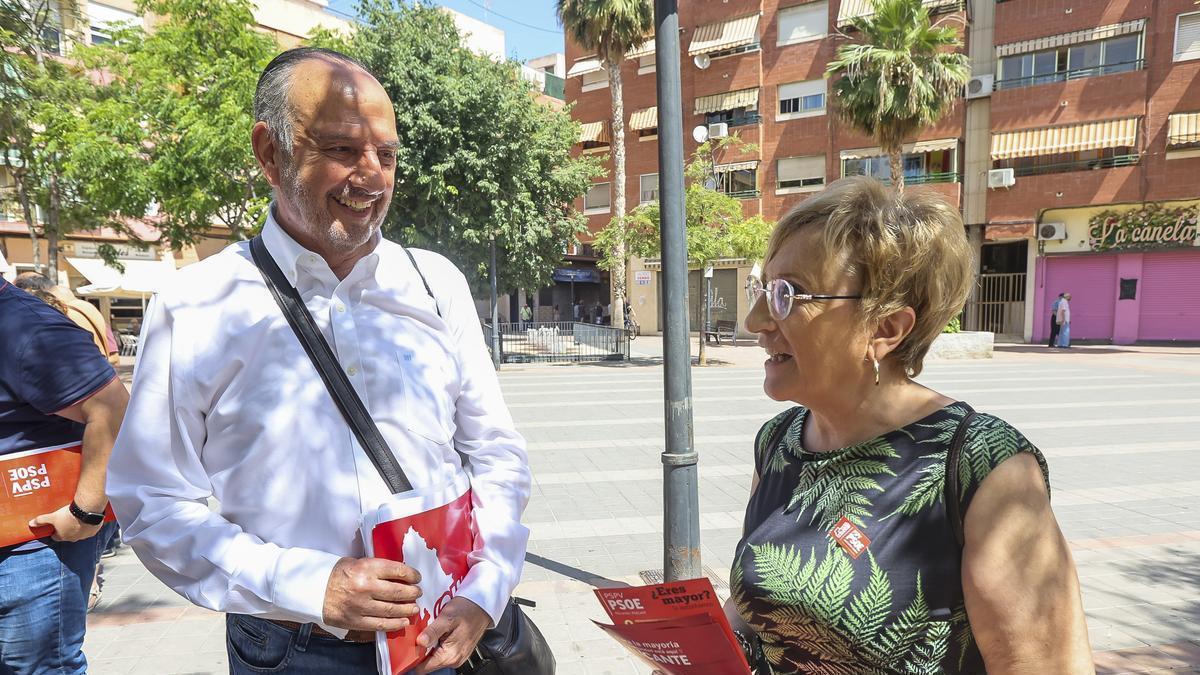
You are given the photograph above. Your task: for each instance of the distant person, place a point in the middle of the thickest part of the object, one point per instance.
(1054, 320)
(606, 314)
(1064, 321)
(577, 310)
(83, 313)
(526, 315)
(557, 316)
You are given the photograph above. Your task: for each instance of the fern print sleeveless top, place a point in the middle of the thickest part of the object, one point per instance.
(848, 563)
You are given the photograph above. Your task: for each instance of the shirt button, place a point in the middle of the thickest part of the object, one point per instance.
(352, 371)
(341, 307)
(312, 259)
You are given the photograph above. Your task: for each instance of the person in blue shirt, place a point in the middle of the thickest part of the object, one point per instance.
(55, 389)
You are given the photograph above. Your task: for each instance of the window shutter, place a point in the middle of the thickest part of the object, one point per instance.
(800, 168)
(1187, 37)
(801, 89)
(803, 22)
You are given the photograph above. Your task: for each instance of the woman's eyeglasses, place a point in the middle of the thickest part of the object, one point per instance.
(781, 294)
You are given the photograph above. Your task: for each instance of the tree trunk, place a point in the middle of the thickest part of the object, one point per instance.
(52, 228)
(897, 170)
(617, 273)
(30, 221)
(701, 356)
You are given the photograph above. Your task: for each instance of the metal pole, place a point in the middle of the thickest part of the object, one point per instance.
(495, 307)
(681, 499)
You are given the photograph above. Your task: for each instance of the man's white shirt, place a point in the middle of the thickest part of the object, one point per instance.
(227, 405)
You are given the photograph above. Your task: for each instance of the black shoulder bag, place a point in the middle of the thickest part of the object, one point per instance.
(953, 458)
(515, 646)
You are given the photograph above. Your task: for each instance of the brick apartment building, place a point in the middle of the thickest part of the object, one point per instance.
(1092, 104)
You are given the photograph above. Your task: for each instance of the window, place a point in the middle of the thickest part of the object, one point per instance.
(1083, 160)
(1101, 57)
(1187, 37)
(595, 80)
(734, 118)
(803, 23)
(733, 51)
(931, 166)
(647, 64)
(648, 188)
(800, 174)
(801, 99)
(52, 31)
(740, 183)
(103, 19)
(598, 199)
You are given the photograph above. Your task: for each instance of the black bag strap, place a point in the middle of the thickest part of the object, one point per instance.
(953, 459)
(425, 283)
(347, 400)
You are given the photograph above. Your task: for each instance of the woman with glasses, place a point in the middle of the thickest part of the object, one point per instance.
(858, 555)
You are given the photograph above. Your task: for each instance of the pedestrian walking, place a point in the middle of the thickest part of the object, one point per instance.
(1064, 321)
(1054, 328)
(56, 390)
(526, 316)
(875, 486)
(252, 425)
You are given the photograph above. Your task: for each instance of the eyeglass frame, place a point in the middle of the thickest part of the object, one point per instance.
(763, 288)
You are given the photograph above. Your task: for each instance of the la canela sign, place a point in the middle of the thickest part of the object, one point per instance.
(1151, 227)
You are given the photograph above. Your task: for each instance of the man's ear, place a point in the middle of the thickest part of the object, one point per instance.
(891, 332)
(266, 152)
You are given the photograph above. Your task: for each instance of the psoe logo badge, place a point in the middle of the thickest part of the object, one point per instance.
(25, 480)
(853, 540)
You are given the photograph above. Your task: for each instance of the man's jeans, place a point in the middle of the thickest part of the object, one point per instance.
(259, 646)
(43, 606)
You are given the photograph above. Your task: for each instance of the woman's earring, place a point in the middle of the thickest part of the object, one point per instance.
(875, 365)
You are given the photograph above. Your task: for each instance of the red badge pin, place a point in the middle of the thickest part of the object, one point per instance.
(853, 540)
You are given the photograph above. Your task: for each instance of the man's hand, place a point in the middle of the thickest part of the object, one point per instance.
(453, 634)
(66, 526)
(371, 594)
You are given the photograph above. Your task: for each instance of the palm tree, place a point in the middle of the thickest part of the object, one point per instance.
(899, 78)
(611, 28)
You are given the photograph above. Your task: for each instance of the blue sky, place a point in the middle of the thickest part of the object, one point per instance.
(530, 26)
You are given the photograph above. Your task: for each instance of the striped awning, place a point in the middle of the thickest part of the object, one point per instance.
(909, 148)
(716, 37)
(1069, 138)
(588, 64)
(729, 100)
(735, 166)
(644, 49)
(852, 9)
(1088, 35)
(1183, 129)
(646, 118)
(594, 132)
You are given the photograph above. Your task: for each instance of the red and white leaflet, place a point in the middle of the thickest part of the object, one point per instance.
(37, 482)
(431, 531)
(698, 638)
(693, 645)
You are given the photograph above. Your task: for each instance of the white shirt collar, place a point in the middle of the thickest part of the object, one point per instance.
(291, 256)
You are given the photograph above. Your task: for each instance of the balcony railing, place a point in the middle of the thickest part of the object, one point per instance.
(744, 194)
(1079, 165)
(1076, 74)
(556, 87)
(924, 178)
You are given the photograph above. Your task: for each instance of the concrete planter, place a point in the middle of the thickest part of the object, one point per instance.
(965, 345)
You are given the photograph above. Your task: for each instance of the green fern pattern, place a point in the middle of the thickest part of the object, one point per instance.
(820, 611)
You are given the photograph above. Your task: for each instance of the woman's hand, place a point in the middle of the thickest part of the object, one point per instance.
(1019, 580)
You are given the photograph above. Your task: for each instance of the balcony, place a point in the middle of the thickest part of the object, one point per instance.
(1078, 165)
(745, 194)
(547, 83)
(928, 178)
(1069, 75)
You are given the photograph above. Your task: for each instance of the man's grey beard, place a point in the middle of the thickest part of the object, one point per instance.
(315, 218)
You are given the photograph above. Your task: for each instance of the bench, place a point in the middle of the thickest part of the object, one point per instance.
(725, 329)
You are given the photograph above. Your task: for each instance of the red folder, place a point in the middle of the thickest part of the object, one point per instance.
(37, 482)
(431, 531)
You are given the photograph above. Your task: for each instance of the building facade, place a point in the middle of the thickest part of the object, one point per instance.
(1039, 137)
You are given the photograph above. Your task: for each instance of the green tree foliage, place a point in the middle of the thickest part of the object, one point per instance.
(190, 83)
(69, 146)
(479, 155)
(610, 28)
(899, 77)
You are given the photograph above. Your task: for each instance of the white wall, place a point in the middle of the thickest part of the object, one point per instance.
(480, 37)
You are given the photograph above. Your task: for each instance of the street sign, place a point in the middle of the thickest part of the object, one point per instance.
(641, 278)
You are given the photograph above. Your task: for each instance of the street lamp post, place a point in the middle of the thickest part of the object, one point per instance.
(495, 305)
(681, 501)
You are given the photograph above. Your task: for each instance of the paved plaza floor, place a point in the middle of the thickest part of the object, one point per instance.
(1118, 426)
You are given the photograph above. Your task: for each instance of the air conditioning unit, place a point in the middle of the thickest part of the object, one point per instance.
(718, 130)
(1052, 232)
(980, 86)
(1001, 178)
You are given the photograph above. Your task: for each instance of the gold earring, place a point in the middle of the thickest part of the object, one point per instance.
(875, 365)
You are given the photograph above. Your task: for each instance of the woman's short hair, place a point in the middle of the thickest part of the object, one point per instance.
(909, 250)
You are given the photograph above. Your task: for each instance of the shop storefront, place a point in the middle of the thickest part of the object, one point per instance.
(1133, 272)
